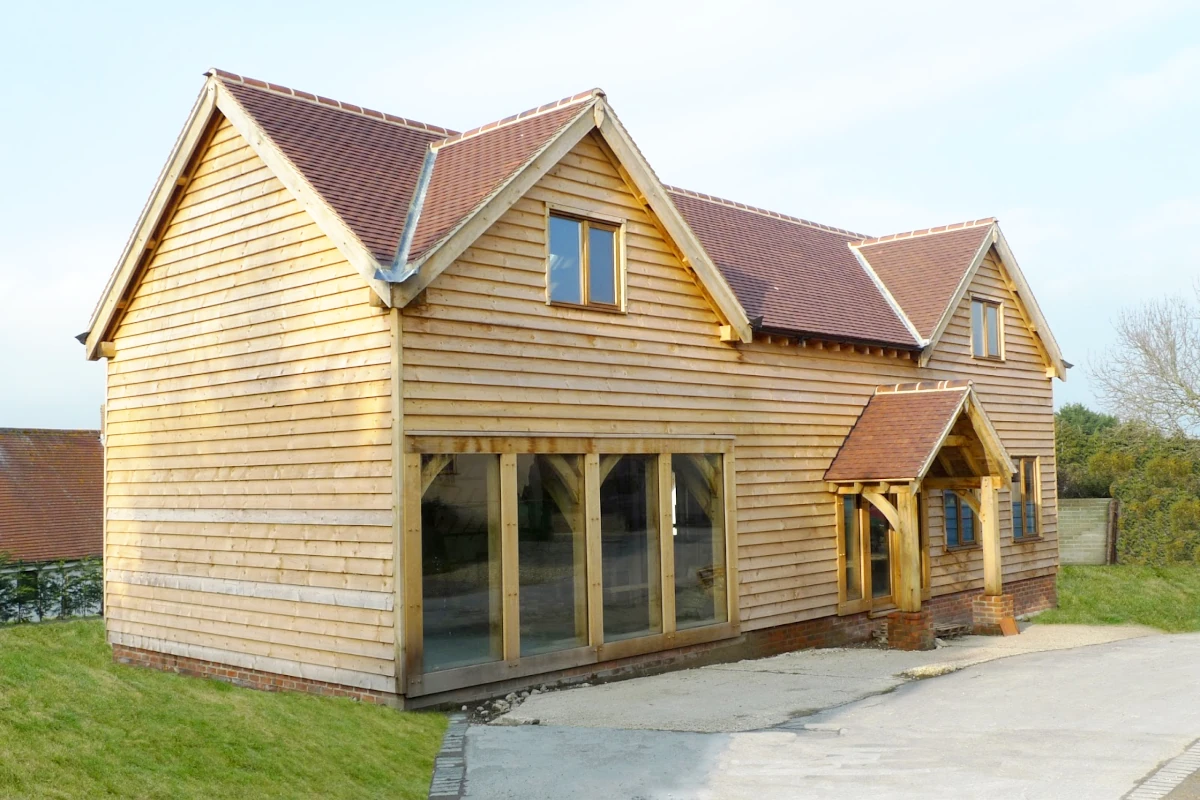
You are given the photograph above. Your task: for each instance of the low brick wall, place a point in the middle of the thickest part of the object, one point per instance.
(1029, 595)
(240, 676)
(1083, 536)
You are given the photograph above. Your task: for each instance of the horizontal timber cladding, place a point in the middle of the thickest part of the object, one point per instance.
(249, 468)
(485, 357)
(1017, 396)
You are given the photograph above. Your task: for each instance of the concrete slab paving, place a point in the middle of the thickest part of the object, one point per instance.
(762, 693)
(1089, 722)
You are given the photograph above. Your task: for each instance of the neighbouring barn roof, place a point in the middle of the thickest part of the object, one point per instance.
(51, 494)
(899, 432)
(788, 275)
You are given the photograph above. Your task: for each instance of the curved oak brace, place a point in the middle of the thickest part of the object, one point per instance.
(885, 507)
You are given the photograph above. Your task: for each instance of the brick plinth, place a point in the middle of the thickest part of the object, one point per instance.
(1032, 594)
(239, 676)
(988, 612)
(910, 630)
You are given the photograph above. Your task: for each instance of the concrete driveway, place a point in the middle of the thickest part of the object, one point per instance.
(1088, 722)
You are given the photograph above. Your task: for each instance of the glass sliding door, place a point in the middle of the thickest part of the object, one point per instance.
(629, 550)
(460, 560)
(551, 554)
(698, 520)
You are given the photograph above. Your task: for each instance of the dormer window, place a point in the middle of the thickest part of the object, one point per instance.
(987, 336)
(584, 266)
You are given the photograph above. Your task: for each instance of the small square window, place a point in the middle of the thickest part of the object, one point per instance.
(584, 267)
(986, 329)
(959, 519)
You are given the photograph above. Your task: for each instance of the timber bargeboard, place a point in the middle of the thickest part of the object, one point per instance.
(253, 429)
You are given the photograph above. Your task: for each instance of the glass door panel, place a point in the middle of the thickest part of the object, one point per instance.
(460, 560)
(551, 555)
(698, 519)
(629, 552)
(881, 553)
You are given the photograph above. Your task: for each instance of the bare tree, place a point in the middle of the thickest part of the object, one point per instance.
(1152, 374)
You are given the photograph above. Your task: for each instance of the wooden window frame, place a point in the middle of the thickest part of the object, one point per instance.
(976, 543)
(999, 306)
(588, 221)
(1018, 488)
(867, 602)
(415, 682)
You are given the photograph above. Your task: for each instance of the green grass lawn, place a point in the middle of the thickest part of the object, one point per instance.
(1161, 597)
(73, 724)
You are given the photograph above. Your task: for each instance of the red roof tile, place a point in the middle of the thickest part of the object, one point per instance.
(897, 432)
(470, 167)
(798, 276)
(923, 269)
(51, 494)
(365, 164)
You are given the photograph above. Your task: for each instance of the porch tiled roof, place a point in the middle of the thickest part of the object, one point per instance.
(922, 269)
(51, 494)
(898, 431)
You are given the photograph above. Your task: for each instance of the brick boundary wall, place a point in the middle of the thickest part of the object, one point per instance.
(1033, 594)
(241, 676)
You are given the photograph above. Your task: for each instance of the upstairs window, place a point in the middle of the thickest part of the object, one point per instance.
(1027, 499)
(584, 268)
(986, 333)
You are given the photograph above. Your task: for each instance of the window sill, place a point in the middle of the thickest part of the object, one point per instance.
(992, 359)
(1027, 539)
(958, 548)
(583, 307)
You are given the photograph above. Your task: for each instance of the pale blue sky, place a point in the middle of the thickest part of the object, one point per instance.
(1074, 123)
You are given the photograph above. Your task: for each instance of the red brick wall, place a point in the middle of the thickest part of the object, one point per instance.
(239, 676)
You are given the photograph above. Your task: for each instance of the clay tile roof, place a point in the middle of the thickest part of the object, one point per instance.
(800, 277)
(922, 269)
(364, 163)
(897, 432)
(51, 494)
(791, 275)
(471, 166)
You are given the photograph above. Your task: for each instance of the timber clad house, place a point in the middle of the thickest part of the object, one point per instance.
(413, 416)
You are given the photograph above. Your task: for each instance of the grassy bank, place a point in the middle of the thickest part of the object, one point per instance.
(73, 724)
(1162, 597)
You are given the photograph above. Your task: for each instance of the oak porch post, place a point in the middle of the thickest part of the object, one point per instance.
(989, 518)
(908, 589)
(992, 613)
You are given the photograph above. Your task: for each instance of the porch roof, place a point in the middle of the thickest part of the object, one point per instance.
(902, 428)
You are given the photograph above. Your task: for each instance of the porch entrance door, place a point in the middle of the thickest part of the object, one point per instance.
(881, 536)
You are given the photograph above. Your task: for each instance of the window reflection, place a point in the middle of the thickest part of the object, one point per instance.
(551, 553)
(699, 537)
(629, 547)
(460, 560)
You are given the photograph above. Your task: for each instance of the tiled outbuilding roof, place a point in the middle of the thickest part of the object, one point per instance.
(922, 269)
(51, 494)
(898, 432)
(799, 277)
